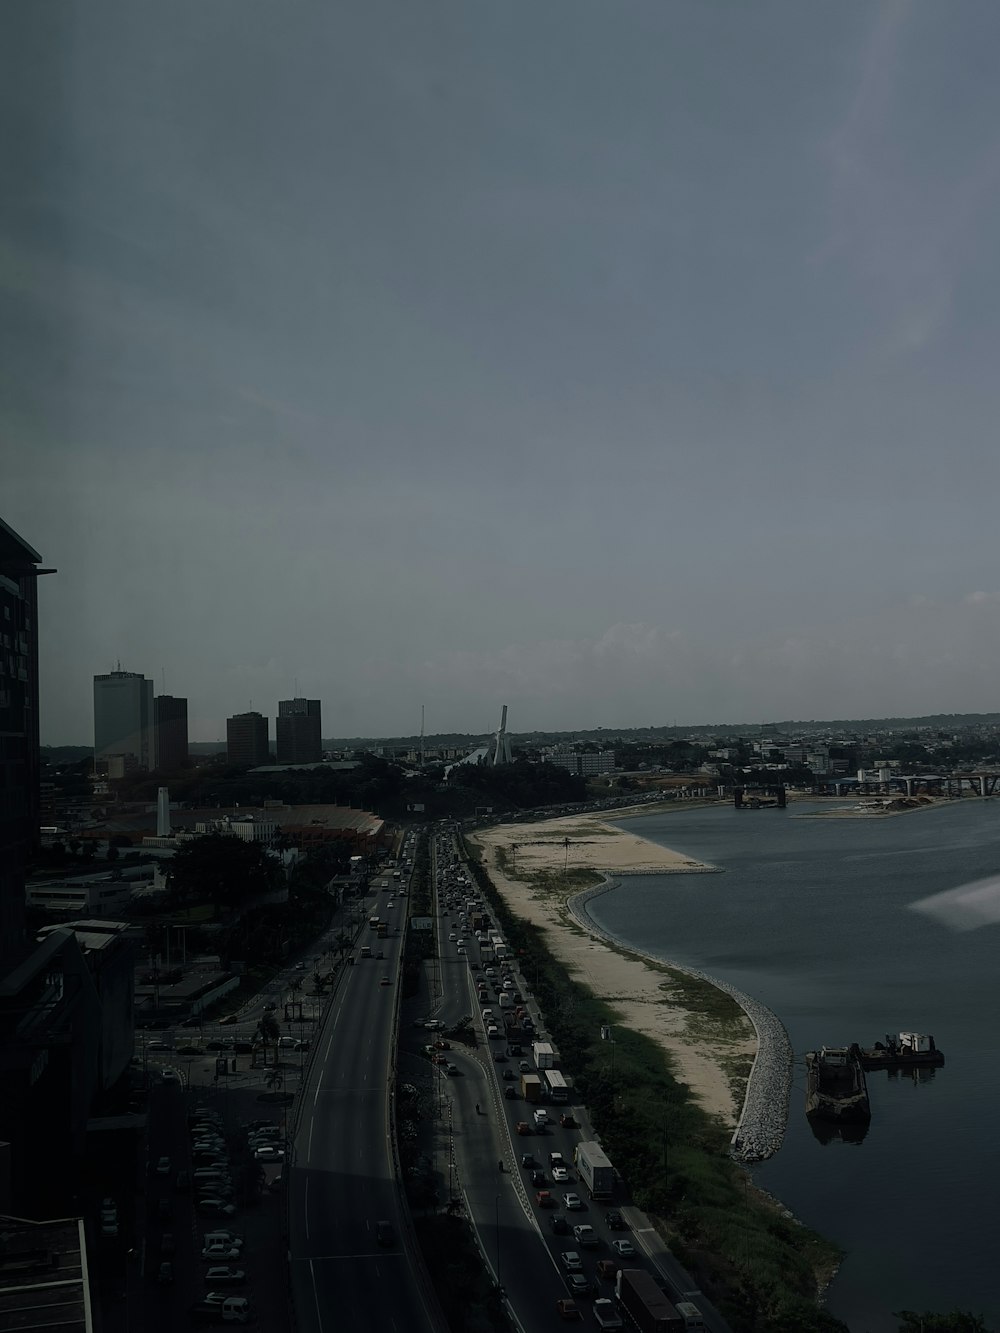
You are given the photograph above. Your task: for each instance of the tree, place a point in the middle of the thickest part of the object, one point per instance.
(222, 869)
(269, 1031)
(958, 1321)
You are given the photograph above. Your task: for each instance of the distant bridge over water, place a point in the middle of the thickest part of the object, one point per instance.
(984, 782)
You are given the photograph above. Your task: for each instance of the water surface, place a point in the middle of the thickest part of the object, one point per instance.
(810, 917)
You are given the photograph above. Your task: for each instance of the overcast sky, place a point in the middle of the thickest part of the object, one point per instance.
(622, 362)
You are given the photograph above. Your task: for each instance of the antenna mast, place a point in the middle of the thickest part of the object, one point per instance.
(421, 735)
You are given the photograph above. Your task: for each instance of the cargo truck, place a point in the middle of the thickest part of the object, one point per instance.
(644, 1304)
(543, 1055)
(595, 1170)
(606, 1314)
(531, 1087)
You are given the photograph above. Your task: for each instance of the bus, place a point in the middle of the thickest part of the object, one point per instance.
(373, 922)
(555, 1085)
(383, 929)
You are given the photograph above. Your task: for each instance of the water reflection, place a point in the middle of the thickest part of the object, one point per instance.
(827, 1131)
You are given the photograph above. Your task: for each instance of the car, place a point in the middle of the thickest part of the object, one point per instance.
(165, 1273)
(585, 1236)
(624, 1248)
(109, 1230)
(524, 1067)
(270, 1007)
(229, 1018)
(492, 1031)
(216, 1207)
(384, 1234)
(182, 1182)
(218, 1252)
(559, 1224)
(607, 1269)
(509, 1075)
(613, 1220)
(568, 1309)
(544, 1199)
(510, 1092)
(216, 1045)
(380, 954)
(167, 1243)
(572, 1202)
(571, 1261)
(300, 967)
(560, 1175)
(269, 1154)
(158, 1046)
(452, 938)
(523, 1127)
(216, 1276)
(164, 1210)
(223, 1236)
(385, 982)
(253, 1126)
(163, 1167)
(169, 1076)
(567, 1120)
(537, 1176)
(579, 1285)
(499, 1057)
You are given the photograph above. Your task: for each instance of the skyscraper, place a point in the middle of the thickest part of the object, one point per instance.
(19, 753)
(123, 720)
(298, 729)
(246, 739)
(170, 732)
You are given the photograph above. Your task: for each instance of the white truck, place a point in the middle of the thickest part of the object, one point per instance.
(595, 1170)
(543, 1054)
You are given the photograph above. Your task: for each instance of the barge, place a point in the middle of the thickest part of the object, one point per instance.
(836, 1090)
(904, 1050)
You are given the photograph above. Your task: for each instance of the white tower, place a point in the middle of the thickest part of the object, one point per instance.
(501, 743)
(163, 813)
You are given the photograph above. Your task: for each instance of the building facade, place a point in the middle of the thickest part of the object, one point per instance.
(247, 740)
(19, 752)
(123, 722)
(586, 762)
(170, 732)
(298, 730)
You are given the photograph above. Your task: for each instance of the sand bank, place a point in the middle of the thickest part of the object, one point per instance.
(533, 865)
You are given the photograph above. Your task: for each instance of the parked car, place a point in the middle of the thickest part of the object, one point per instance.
(217, 1276)
(219, 1252)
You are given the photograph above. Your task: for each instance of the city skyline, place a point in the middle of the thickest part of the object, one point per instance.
(622, 366)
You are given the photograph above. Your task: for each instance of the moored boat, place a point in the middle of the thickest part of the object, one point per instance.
(836, 1089)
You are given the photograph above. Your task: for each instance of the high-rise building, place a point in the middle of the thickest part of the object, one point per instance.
(123, 720)
(19, 752)
(170, 732)
(246, 739)
(299, 731)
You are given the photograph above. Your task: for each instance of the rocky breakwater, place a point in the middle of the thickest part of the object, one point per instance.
(761, 1127)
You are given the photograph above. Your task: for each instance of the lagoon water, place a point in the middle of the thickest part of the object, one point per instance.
(810, 917)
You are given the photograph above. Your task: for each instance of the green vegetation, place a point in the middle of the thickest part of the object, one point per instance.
(467, 1293)
(958, 1321)
(759, 1266)
(221, 869)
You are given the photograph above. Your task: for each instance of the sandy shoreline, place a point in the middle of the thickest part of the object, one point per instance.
(526, 863)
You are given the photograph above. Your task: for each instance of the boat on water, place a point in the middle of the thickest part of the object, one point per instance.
(902, 1050)
(836, 1090)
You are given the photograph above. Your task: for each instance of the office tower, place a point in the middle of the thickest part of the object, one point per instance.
(246, 740)
(123, 721)
(298, 730)
(19, 753)
(170, 732)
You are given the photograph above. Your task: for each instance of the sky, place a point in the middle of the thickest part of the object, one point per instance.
(626, 363)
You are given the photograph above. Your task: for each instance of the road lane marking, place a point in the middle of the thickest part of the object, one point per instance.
(306, 1199)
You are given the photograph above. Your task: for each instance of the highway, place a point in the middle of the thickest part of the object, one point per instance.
(342, 1180)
